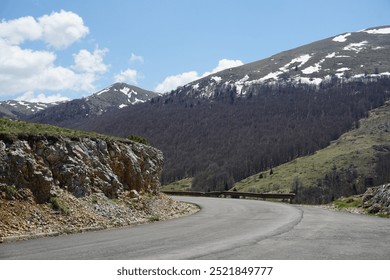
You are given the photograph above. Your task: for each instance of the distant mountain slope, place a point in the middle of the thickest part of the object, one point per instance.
(117, 96)
(358, 158)
(22, 109)
(229, 125)
(352, 56)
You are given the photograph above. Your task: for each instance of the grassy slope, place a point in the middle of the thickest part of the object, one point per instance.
(181, 185)
(352, 148)
(16, 127)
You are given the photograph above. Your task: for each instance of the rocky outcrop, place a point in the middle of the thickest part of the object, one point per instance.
(80, 165)
(377, 200)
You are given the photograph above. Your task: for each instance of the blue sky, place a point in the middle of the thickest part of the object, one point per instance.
(53, 49)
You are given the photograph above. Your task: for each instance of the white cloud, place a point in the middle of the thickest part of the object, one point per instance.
(173, 82)
(23, 62)
(18, 30)
(23, 70)
(136, 58)
(127, 76)
(224, 64)
(84, 61)
(31, 97)
(58, 30)
(61, 29)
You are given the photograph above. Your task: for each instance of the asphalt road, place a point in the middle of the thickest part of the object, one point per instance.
(225, 229)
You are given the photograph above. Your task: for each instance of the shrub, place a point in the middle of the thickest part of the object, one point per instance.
(58, 205)
(154, 218)
(138, 139)
(10, 191)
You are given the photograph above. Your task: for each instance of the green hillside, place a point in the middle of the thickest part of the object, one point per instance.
(343, 168)
(16, 127)
(10, 127)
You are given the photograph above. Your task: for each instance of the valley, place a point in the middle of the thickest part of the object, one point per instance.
(276, 115)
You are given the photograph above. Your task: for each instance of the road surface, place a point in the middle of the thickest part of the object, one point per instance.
(225, 229)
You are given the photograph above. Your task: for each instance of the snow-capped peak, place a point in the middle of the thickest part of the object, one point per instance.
(350, 56)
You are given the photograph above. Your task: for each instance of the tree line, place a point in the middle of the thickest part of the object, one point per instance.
(223, 140)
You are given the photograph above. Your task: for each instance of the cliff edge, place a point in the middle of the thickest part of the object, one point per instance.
(61, 184)
(80, 165)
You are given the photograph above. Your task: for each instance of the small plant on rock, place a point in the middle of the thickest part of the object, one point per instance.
(58, 205)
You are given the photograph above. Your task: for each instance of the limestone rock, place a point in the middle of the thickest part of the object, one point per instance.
(377, 199)
(80, 165)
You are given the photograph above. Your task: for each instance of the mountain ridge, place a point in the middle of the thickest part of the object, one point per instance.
(115, 96)
(309, 64)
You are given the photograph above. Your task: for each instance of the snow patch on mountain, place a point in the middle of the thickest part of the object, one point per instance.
(125, 90)
(384, 30)
(312, 69)
(308, 80)
(269, 76)
(301, 60)
(244, 79)
(103, 91)
(357, 47)
(136, 100)
(331, 55)
(341, 38)
(216, 79)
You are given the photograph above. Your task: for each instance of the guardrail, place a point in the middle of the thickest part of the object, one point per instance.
(284, 196)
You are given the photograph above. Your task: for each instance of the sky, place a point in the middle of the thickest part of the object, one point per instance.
(54, 50)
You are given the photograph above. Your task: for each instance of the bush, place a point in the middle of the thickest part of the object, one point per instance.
(138, 139)
(10, 191)
(58, 205)
(154, 219)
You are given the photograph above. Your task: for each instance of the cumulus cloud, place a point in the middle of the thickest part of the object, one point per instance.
(27, 70)
(224, 64)
(173, 82)
(58, 30)
(18, 30)
(127, 76)
(41, 97)
(23, 70)
(61, 29)
(85, 61)
(136, 58)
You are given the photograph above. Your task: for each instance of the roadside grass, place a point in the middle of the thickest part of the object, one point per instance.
(181, 185)
(355, 204)
(348, 202)
(355, 148)
(153, 219)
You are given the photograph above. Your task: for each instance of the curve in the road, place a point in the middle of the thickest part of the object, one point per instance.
(225, 229)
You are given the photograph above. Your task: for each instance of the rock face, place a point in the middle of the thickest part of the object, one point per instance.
(80, 165)
(377, 200)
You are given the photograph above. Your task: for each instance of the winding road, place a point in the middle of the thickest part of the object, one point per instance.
(225, 229)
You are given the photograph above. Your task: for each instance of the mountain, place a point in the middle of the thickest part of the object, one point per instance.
(352, 56)
(116, 96)
(240, 121)
(22, 109)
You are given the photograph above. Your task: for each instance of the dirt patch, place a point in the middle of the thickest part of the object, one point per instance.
(23, 218)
